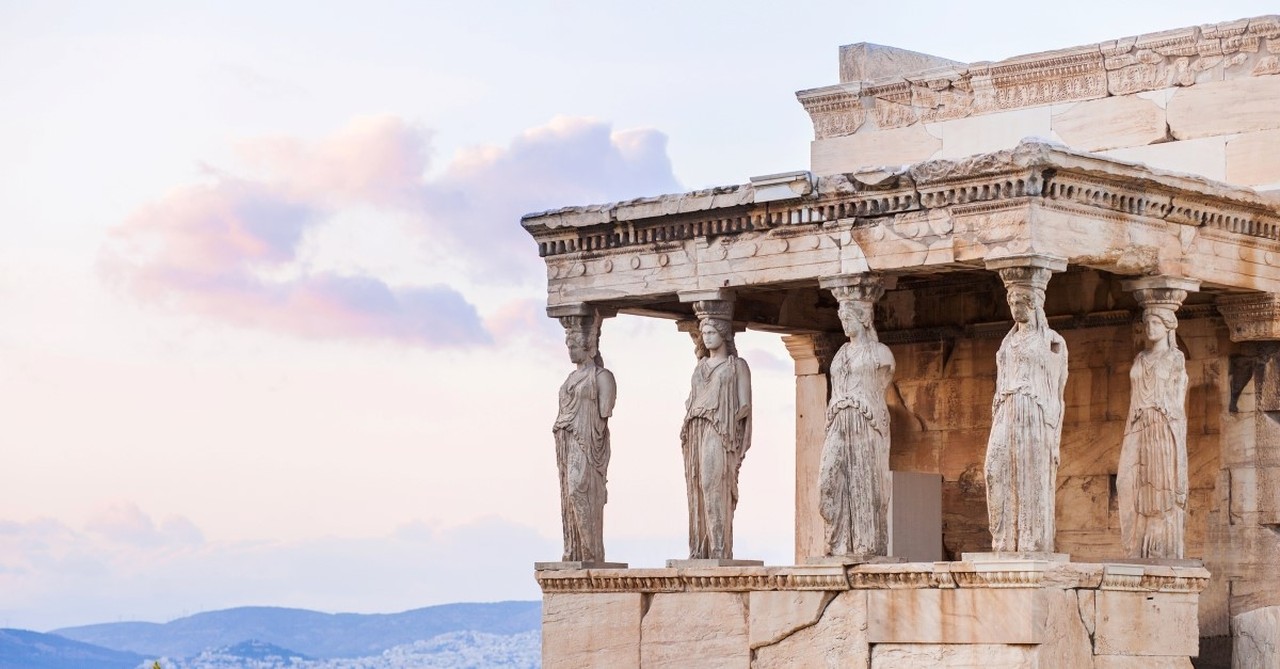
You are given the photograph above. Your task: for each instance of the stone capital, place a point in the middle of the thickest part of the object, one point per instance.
(862, 287)
(812, 353)
(706, 295)
(1161, 292)
(580, 309)
(1029, 260)
(1251, 317)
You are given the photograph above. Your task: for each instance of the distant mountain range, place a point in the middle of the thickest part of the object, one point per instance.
(503, 634)
(23, 649)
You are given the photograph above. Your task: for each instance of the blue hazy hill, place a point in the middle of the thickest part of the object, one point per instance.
(315, 634)
(23, 649)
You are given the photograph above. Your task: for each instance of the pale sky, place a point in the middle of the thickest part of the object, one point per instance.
(272, 332)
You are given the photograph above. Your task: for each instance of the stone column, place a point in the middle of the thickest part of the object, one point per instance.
(812, 356)
(1026, 414)
(1152, 476)
(854, 483)
(581, 430)
(1245, 536)
(716, 432)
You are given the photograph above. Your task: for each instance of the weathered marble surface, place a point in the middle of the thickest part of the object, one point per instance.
(1257, 638)
(994, 614)
(854, 485)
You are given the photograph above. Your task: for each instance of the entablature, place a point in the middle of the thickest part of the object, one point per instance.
(929, 218)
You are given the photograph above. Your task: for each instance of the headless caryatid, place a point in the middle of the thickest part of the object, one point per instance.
(716, 432)
(1152, 477)
(1026, 419)
(582, 441)
(854, 482)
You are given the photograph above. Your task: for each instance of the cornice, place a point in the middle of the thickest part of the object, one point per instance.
(1032, 172)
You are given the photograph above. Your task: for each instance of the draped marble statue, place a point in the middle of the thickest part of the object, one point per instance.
(854, 482)
(716, 432)
(582, 440)
(1026, 419)
(1152, 477)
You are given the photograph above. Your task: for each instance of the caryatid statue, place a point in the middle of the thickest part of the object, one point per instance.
(1026, 413)
(582, 440)
(716, 432)
(1152, 478)
(854, 482)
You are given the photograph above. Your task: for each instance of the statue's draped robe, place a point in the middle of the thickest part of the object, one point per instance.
(1026, 432)
(582, 453)
(714, 440)
(854, 480)
(1152, 479)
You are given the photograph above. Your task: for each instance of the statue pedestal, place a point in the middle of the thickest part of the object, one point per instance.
(704, 563)
(851, 560)
(994, 614)
(561, 566)
(1043, 556)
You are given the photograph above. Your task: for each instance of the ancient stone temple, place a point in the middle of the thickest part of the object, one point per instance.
(1048, 287)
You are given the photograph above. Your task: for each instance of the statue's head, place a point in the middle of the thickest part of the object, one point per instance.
(1025, 287)
(717, 333)
(857, 317)
(582, 338)
(1160, 323)
(1025, 304)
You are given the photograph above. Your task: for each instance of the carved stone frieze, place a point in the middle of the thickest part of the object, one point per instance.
(1151, 62)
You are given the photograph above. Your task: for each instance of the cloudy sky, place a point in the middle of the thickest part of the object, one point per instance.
(272, 334)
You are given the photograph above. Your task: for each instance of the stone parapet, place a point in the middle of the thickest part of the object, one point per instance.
(939, 90)
(1001, 613)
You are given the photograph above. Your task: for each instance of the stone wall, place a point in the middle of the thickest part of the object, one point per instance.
(999, 615)
(1199, 100)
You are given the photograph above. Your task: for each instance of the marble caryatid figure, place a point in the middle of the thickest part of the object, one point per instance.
(1152, 477)
(582, 440)
(1026, 419)
(716, 432)
(854, 483)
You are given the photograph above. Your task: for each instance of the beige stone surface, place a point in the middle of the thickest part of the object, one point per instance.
(1110, 123)
(1206, 156)
(811, 413)
(837, 641)
(776, 614)
(899, 146)
(1256, 638)
(977, 656)
(1253, 159)
(1140, 662)
(1067, 641)
(1225, 107)
(978, 615)
(990, 132)
(591, 631)
(1137, 623)
(695, 629)
(869, 62)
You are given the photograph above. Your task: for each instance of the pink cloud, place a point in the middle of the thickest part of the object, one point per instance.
(221, 248)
